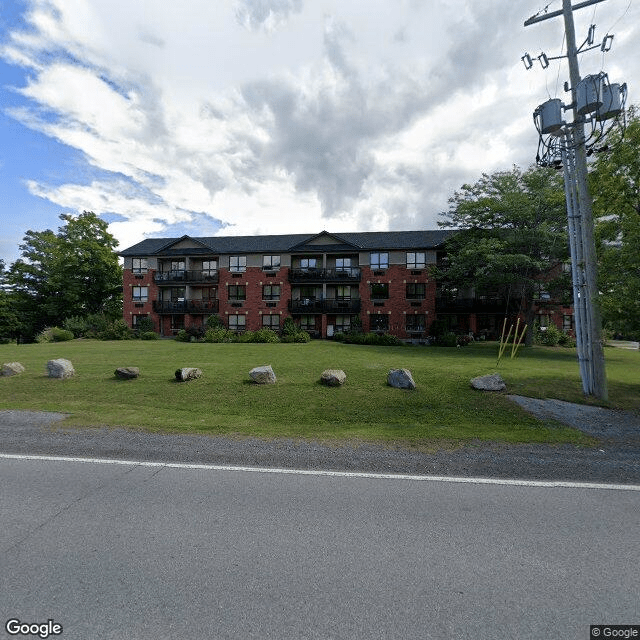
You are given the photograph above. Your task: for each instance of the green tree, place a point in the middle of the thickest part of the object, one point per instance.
(513, 238)
(74, 272)
(615, 186)
(9, 320)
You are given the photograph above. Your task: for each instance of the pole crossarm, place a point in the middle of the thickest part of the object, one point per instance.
(555, 14)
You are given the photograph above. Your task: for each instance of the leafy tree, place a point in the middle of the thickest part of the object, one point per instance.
(74, 272)
(615, 186)
(513, 237)
(9, 320)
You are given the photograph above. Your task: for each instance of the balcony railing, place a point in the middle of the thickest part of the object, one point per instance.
(344, 274)
(184, 276)
(328, 305)
(472, 305)
(186, 306)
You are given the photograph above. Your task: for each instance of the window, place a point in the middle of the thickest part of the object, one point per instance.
(177, 294)
(140, 294)
(177, 265)
(343, 293)
(343, 324)
(416, 322)
(271, 322)
(379, 261)
(416, 260)
(238, 264)
(136, 319)
(567, 323)
(237, 292)
(308, 263)
(270, 263)
(237, 322)
(343, 263)
(379, 322)
(209, 293)
(379, 291)
(416, 291)
(307, 323)
(271, 292)
(177, 323)
(209, 268)
(139, 265)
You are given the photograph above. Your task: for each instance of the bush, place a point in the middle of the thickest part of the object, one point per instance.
(373, 339)
(117, 330)
(90, 326)
(219, 335)
(195, 332)
(447, 340)
(54, 334)
(144, 325)
(77, 325)
(265, 336)
(289, 328)
(302, 336)
(547, 336)
(182, 336)
(214, 322)
(149, 335)
(463, 341)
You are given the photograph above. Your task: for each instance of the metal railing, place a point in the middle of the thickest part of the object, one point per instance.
(186, 306)
(186, 275)
(344, 274)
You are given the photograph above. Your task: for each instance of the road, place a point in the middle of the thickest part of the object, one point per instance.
(132, 551)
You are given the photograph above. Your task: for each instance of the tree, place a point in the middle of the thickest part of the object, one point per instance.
(615, 186)
(72, 273)
(513, 237)
(9, 321)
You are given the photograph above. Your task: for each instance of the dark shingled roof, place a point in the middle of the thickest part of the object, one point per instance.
(293, 243)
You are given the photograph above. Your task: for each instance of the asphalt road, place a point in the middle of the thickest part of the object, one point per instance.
(126, 551)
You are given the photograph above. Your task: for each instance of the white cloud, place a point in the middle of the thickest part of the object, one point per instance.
(282, 115)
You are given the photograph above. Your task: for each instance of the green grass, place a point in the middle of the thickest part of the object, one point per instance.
(443, 410)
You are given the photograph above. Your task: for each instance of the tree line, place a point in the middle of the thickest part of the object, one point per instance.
(513, 231)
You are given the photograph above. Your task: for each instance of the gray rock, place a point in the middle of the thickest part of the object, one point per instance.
(127, 373)
(401, 379)
(60, 368)
(188, 373)
(11, 369)
(263, 375)
(491, 382)
(333, 377)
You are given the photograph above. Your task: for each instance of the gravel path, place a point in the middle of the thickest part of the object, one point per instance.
(616, 459)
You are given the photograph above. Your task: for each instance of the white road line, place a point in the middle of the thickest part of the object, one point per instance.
(340, 474)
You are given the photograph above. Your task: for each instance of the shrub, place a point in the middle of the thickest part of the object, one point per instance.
(214, 322)
(117, 330)
(182, 336)
(266, 336)
(144, 325)
(77, 325)
(219, 335)
(302, 336)
(149, 335)
(447, 340)
(54, 334)
(547, 336)
(195, 331)
(463, 341)
(288, 327)
(245, 336)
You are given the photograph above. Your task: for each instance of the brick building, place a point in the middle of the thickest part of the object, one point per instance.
(325, 282)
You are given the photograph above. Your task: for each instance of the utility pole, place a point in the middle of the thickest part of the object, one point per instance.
(571, 139)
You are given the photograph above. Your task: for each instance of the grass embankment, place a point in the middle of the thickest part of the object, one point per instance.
(443, 408)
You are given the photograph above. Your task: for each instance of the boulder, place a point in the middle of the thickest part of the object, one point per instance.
(263, 375)
(127, 373)
(60, 368)
(333, 377)
(188, 373)
(11, 369)
(491, 382)
(401, 379)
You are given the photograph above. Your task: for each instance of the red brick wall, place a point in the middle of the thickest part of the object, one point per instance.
(398, 305)
(129, 308)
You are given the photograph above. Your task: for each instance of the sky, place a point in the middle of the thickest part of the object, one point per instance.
(243, 117)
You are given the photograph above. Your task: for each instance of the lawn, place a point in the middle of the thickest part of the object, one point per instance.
(443, 409)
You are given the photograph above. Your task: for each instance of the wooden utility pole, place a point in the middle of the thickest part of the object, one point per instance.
(593, 322)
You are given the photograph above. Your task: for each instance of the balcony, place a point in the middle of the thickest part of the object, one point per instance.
(344, 274)
(329, 305)
(193, 307)
(182, 276)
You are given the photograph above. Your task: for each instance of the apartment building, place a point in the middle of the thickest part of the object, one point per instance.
(325, 282)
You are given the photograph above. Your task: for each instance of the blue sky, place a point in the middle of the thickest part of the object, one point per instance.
(272, 116)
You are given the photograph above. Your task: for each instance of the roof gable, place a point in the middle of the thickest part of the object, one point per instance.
(324, 240)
